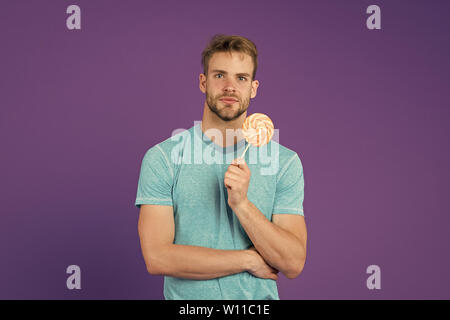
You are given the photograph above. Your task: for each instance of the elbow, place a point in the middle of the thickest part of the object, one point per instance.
(295, 268)
(293, 273)
(153, 270)
(156, 259)
(155, 264)
(296, 265)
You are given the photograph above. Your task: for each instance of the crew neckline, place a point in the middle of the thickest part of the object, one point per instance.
(240, 145)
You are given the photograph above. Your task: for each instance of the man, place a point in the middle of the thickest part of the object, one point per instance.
(222, 229)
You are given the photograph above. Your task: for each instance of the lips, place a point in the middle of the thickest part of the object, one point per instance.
(228, 100)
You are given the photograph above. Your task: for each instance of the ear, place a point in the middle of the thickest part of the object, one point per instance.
(202, 82)
(255, 85)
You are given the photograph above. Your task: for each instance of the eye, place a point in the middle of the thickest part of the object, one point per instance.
(243, 78)
(219, 74)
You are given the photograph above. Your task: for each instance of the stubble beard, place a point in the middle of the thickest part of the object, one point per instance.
(225, 113)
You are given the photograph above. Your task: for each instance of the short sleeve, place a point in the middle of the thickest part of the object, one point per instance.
(290, 188)
(155, 179)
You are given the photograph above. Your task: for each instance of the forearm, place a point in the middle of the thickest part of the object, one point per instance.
(280, 248)
(198, 263)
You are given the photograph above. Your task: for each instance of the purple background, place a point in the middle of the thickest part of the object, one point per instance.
(367, 110)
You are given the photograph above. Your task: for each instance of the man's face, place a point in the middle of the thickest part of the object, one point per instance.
(228, 84)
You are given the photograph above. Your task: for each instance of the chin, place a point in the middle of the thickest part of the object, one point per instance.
(233, 117)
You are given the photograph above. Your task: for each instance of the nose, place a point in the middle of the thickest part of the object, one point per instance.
(229, 87)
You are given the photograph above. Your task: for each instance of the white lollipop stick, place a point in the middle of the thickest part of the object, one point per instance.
(241, 157)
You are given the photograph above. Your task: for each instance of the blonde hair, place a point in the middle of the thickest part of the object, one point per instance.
(225, 43)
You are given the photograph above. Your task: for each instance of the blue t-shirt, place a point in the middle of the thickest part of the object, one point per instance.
(187, 171)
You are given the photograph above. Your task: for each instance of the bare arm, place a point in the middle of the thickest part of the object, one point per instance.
(162, 257)
(282, 243)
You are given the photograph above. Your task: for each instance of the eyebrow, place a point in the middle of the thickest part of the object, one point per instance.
(224, 72)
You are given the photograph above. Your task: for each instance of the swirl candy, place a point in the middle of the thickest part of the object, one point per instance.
(257, 130)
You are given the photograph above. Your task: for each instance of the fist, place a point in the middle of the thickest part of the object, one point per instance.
(259, 267)
(236, 180)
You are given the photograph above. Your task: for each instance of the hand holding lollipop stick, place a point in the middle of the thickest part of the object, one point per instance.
(257, 130)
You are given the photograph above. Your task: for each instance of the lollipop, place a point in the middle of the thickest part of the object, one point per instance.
(257, 130)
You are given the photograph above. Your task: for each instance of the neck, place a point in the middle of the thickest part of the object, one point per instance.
(211, 126)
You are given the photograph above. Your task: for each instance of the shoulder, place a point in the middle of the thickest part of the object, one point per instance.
(163, 151)
(289, 160)
(285, 153)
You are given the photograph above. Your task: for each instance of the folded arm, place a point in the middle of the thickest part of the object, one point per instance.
(162, 257)
(281, 242)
